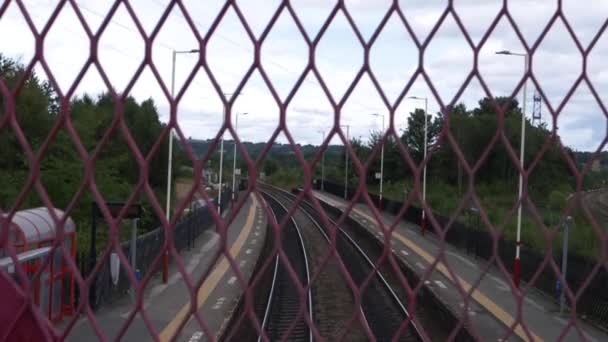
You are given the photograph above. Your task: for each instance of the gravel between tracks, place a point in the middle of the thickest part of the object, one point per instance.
(332, 298)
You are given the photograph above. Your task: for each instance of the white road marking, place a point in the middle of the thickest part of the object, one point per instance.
(393, 250)
(498, 280)
(534, 304)
(231, 280)
(254, 241)
(501, 284)
(174, 278)
(196, 337)
(242, 263)
(589, 337)
(427, 282)
(463, 259)
(219, 303)
(248, 251)
(502, 288)
(442, 285)
(256, 233)
(404, 252)
(470, 311)
(561, 320)
(207, 246)
(156, 290)
(420, 266)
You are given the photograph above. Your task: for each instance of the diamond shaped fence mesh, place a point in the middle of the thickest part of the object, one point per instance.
(330, 257)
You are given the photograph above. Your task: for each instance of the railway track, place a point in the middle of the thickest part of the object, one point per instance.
(284, 315)
(283, 312)
(383, 311)
(274, 299)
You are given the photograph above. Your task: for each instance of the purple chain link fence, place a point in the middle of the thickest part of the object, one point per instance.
(23, 318)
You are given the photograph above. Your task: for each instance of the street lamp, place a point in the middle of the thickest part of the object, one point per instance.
(426, 103)
(346, 163)
(322, 163)
(236, 127)
(381, 162)
(219, 195)
(522, 146)
(562, 295)
(170, 159)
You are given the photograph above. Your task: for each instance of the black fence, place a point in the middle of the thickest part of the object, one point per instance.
(475, 240)
(148, 245)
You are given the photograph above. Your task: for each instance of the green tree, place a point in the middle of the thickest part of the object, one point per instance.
(395, 167)
(413, 137)
(270, 167)
(116, 171)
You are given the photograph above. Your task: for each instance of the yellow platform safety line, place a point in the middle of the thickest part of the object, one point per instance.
(481, 298)
(214, 277)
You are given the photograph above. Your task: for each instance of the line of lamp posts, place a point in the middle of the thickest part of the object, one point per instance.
(165, 274)
(517, 262)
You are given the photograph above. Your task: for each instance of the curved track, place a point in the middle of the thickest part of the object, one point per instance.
(597, 203)
(382, 309)
(284, 315)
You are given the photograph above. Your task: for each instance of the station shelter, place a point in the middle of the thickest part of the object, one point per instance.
(32, 233)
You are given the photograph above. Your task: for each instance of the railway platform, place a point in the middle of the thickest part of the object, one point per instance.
(167, 305)
(492, 300)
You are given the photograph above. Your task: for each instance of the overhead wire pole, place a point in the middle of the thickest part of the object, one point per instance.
(522, 147)
(562, 295)
(322, 163)
(170, 159)
(426, 113)
(219, 195)
(346, 162)
(381, 162)
(236, 127)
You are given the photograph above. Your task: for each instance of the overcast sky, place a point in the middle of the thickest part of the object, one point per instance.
(393, 58)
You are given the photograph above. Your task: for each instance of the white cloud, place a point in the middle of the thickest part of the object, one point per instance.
(283, 54)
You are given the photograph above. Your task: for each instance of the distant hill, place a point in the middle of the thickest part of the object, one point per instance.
(281, 151)
(583, 157)
(201, 147)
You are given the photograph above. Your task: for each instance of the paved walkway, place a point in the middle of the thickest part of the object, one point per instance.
(167, 305)
(493, 308)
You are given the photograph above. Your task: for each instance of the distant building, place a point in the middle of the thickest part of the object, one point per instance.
(596, 166)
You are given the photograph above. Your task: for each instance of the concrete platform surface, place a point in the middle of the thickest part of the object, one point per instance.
(493, 299)
(167, 305)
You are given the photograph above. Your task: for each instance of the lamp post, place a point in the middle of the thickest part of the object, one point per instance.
(426, 103)
(219, 195)
(236, 126)
(522, 146)
(170, 158)
(322, 163)
(562, 295)
(346, 162)
(381, 163)
(219, 179)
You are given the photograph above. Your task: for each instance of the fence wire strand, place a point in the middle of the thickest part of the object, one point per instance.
(169, 239)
